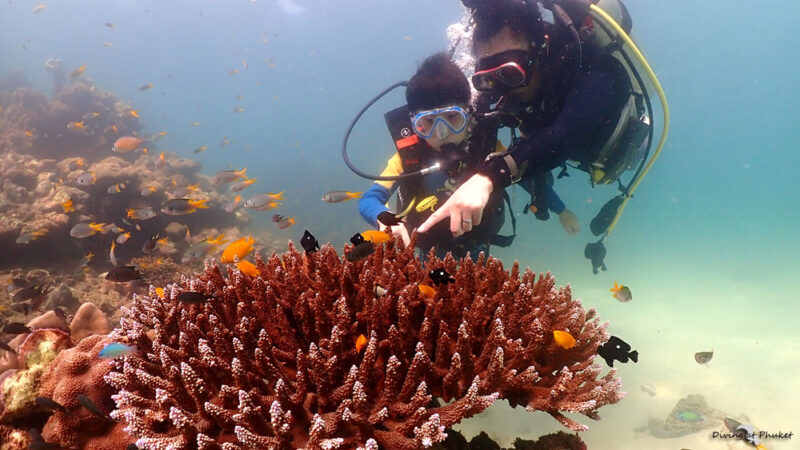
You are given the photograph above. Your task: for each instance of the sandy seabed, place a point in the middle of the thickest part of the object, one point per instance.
(751, 323)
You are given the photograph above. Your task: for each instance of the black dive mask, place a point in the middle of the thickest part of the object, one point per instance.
(504, 72)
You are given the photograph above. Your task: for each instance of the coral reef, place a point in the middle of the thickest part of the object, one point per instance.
(39, 126)
(18, 391)
(553, 441)
(32, 192)
(271, 361)
(79, 370)
(88, 320)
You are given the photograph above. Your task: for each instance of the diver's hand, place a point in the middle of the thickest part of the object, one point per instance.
(464, 207)
(397, 230)
(569, 221)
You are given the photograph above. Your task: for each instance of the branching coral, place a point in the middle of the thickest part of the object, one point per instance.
(271, 361)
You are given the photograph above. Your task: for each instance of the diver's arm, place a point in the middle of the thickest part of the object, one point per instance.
(567, 218)
(587, 105)
(373, 202)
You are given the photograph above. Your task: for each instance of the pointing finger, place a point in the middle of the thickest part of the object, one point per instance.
(435, 218)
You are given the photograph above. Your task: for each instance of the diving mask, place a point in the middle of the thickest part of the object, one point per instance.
(440, 123)
(503, 71)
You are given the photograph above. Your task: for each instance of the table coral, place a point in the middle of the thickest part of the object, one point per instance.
(271, 361)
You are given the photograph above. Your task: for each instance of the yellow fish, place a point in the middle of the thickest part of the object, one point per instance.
(376, 237)
(146, 87)
(563, 339)
(239, 248)
(68, 206)
(621, 293)
(427, 291)
(217, 240)
(360, 342)
(77, 72)
(195, 124)
(201, 149)
(233, 72)
(29, 133)
(76, 125)
(238, 110)
(248, 268)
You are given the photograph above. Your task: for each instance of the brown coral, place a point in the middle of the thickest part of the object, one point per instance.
(270, 362)
(79, 370)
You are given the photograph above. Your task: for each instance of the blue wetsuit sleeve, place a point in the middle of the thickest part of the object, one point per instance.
(373, 202)
(554, 202)
(593, 99)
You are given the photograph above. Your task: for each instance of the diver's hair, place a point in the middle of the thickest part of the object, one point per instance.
(522, 17)
(438, 83)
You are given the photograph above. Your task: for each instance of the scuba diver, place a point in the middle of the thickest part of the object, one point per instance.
(572, 90)
(435, 129)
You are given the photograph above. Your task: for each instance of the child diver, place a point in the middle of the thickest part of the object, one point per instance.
(438, 112)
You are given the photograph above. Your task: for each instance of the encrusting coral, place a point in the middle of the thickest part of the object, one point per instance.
(271, 361)
(75, 371)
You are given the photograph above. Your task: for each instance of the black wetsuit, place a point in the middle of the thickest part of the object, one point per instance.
(572, 115)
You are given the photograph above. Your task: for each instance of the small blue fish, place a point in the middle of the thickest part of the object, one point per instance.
(689, 417)
(115, 350)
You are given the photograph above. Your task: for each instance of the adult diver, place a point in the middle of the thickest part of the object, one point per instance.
(573, 89)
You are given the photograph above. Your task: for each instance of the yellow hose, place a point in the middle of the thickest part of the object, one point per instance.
(599, 14)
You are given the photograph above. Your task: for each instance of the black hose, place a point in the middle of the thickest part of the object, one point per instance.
(350, 130)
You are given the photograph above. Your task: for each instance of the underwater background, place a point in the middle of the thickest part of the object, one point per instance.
(709, 244)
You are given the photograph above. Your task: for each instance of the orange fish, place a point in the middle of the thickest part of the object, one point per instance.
(29, 133)
(427, 291)
(248, 268)
(239, 248)
(126, 144)
(68, 206)
(76, 163)
(39, 8)
(376, 237)
(76, 125)
(77, 72)
(134, 113)
(563, 339)
(360, 342)
(160, 292)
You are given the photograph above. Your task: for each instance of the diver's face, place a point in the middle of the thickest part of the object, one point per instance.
(504, 41)
(443, 125)
(437, 143)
